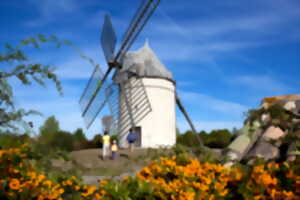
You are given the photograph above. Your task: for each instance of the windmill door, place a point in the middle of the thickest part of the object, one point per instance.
(138, 132)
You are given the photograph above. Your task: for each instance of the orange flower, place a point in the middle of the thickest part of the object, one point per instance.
(76, 187)
(14, 184)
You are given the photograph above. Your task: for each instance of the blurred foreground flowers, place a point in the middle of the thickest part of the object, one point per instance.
(178, 177)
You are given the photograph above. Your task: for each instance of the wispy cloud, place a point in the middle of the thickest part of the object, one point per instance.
(50, 10)
(231, 32)
(65, 108)
(212, 103)
(262, 83)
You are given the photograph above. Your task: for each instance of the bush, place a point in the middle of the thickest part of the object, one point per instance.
(64, 141)
(176, 177)
(187, 139)
(218, 139)
(214, 139)
(8, 139)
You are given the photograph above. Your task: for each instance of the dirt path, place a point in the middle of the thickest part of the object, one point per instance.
(89, 164)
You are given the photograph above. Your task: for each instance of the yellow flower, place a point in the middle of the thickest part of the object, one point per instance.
(223, 193)
(61, 190)
(14, 184)
(77, 187)
(48, 183)
(32, 174)
(97, 196)
(40, 177)
(90, 190)
(68, 182)
(2, 152)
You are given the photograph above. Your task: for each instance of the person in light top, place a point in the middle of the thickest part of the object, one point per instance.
(114, 149)
(106, 145)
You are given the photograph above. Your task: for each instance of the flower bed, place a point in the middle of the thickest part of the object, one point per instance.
(177, 177)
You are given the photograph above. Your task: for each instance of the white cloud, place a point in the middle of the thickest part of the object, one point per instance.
(218, 105)
(50, 10)
(261, 83)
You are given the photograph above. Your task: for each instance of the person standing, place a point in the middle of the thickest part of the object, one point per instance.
(131, 138)
(106, 145)
(114, 149)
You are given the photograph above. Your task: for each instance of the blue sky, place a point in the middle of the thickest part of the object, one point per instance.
(225, 55)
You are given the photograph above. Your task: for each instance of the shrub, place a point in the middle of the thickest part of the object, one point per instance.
(187, 139)
(214, 139)
(218, 139)
(176, 177)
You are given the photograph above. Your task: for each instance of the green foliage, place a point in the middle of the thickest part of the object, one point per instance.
(132, 188)
(187, 139)
(26, 71)
(218, 139)
(278, 117)
(79, 135)
(64, 141)
(52, 137)
(49, 129)
(214, 139)
(8, 140)
(97, 141)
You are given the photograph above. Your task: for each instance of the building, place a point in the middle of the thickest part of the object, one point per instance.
(148, 99)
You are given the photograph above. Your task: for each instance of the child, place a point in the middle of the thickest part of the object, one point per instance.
(114, 149)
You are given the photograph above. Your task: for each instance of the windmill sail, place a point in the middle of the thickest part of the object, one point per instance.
(132, 106)
(108, 39)
(146, 9)
(93, 98)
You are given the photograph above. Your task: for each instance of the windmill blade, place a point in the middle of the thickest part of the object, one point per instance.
(108, 39)
(142, 15)
(182, 109)
(113, 92)
(93, 98)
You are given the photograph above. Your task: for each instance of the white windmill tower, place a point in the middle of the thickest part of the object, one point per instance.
(141, 94)
(146, 74)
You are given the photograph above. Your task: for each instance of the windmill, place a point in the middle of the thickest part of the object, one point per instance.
(125, 91)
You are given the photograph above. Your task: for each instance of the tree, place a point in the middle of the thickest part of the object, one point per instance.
(187, 139)
(79, 135)
(64, 141)
(26, 71)
(49, 128)
(218, 138)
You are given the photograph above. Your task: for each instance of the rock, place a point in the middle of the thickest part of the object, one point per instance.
(264, 150)
(265, 117)
(273, 133)
(242, 144)
(297, 106)
(290, 105)
(291, 158)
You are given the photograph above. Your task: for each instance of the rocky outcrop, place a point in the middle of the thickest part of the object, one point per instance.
(276, 124)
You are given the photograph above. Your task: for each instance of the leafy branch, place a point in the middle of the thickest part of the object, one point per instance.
(25, 71)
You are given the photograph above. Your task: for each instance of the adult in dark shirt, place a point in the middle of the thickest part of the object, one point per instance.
(131, 138)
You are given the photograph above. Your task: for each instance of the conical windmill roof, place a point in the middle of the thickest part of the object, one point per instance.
(145, 63)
